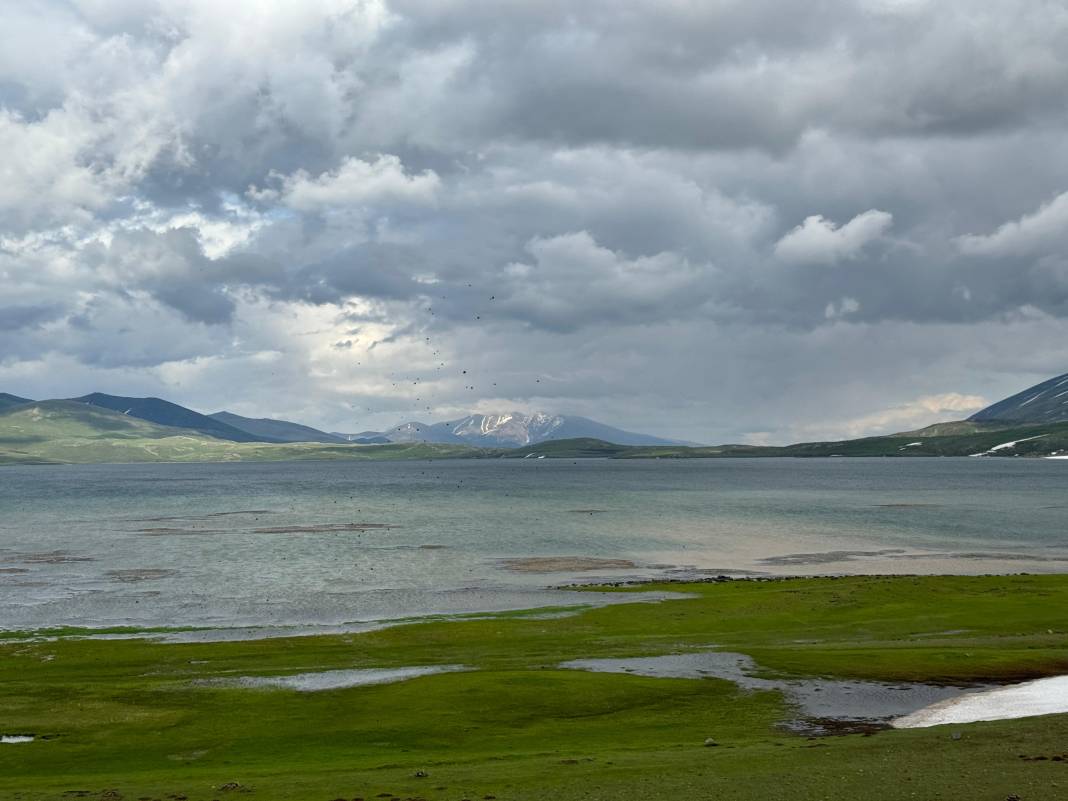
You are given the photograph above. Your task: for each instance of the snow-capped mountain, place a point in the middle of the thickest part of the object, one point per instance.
(1043, 403)
(515, 429)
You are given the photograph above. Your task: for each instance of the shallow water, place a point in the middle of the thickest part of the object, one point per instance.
(333, 544)
(336, 679)
(814, 699)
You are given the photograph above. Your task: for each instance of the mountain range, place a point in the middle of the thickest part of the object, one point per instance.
(111, 428)
(479, 430)
(515, 430)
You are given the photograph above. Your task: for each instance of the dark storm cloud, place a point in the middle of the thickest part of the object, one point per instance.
(681, 191)
(12, 318)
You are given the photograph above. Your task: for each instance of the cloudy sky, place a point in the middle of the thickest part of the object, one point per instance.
(723, 220)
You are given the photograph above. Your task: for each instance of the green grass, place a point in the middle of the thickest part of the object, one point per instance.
(128, 716)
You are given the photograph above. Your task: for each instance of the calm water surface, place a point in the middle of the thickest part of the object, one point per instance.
(243, 544)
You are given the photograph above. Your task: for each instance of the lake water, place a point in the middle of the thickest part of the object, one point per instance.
(330, 544)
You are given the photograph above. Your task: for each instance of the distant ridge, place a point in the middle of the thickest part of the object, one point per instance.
(276, 430)
(363, 438)
(1043, 403)
(165, 413)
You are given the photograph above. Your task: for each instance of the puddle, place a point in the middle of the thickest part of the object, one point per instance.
(824, 704)
(1039, 697)
(334, 679)
(17, 738)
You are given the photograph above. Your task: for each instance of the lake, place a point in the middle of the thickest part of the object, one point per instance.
(327, 545)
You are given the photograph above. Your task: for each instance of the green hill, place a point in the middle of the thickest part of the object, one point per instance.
(165, 413)
(8, 401)
(69, 432)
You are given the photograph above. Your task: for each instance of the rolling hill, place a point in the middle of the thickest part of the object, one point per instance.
(72, 432)
(7, 400)
(165, 413)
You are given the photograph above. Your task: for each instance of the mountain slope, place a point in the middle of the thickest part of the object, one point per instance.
(275, 430)
(1043, 403)
(7, 400)
(165, 413)
(422, 432)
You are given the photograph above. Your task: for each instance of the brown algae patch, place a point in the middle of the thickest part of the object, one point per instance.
(209, 516)
(562, 564)
(139, 574)
(323, 528)
(327, 527)
(49, 558)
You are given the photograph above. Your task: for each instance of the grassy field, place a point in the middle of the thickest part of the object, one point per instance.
(133, 718)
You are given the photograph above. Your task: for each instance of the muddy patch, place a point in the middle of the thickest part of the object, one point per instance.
(825, 706)
(327, 527)
(826, 557)
(988, 555)
(333, 679)
(208, 516)
(324, 528)
(898, 554)
(563, 564)
(908, 506)
(135, 575)
(48, 558)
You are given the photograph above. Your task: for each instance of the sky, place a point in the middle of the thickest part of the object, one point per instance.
(719, 220)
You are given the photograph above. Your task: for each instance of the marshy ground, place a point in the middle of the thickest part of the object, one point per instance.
(138, 719)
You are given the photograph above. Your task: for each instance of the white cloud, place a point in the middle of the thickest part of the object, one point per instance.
(354, 183)
(819, 241)
(1034, 233)
(44, 178)
(917, 413)
(615, 183)
(843, 308)
(573, 281)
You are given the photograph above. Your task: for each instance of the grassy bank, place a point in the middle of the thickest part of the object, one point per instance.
(135, 716)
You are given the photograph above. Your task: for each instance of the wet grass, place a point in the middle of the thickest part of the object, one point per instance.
(127, 716)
